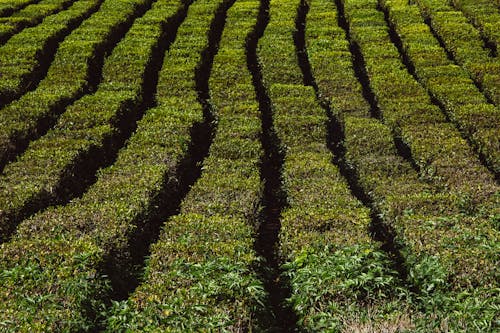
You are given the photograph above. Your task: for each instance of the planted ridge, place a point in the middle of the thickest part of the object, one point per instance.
(212, 285)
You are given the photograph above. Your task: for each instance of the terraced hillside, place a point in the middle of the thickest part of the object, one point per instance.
(249, 165)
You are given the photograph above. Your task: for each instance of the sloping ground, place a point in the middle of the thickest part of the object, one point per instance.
(246, 165)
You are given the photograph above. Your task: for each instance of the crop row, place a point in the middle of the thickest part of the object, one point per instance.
(30, 16)
(27, 55)
(7, 7)
(74, 251)
(485, 16)
(200, 273)
(448, 83)
(60, 164)
(466, 47)
(337, 272)
(448, 241)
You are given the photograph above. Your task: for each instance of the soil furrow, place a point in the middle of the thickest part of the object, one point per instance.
(281, 317)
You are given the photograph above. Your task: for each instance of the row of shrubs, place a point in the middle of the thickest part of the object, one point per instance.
(9, 7)
(200, 273)
(63, 162)
(63, 265)
(449, 84)
(466, 47)
(30, 16)
(24, 56)
(484, 15)
(337, 274)
(446, 233)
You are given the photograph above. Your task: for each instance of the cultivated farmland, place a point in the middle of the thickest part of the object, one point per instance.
(249, 166)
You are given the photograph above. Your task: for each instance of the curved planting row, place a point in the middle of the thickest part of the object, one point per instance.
(30, 16)
(75, 71)
(81, 254)
(63, 162)
(199, 276)
(339, 278)
(466, 47)
(484, 15)
(448, 83)
(26, 56)
(431, 226)
(8, 7)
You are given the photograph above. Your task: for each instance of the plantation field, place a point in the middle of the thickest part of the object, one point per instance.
(249, 166)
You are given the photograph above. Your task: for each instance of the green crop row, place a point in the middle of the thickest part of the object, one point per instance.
(25, 53)
(74, 251)
(338, 276)
(30, 16)
(448, 83)
(76, 67)
(7, 7)
(57, 165)
(448, 243)
(199, 276)
(484, 15)
(466, 47)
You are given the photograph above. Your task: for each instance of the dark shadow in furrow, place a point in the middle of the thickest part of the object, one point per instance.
(25, 25)
(12, 11)
(488, 44)
(396, 40)
(361, 74)
(127, 276)
(82, 173)
(276, 316)
(379, 230)
(44, 60)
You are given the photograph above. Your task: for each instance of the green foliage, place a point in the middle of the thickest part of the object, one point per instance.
(200, 274)
(51, 167)
(49, 285)
(20, 56)
(453, 86)
(30, 16)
